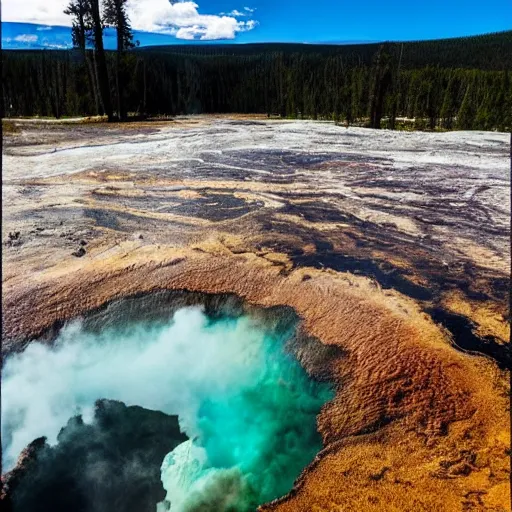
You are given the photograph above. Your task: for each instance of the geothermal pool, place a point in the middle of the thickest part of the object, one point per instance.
(393, 248)
(246, 405)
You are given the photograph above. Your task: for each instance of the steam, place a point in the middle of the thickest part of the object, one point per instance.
(246, 405)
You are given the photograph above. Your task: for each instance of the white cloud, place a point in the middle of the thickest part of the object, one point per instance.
(42, 12)
(55, 46)
(181, 19)
(249, 25)
(236, 13)
(43, 28)
(26, 38)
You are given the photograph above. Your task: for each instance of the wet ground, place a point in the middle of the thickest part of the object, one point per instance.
(426, 214)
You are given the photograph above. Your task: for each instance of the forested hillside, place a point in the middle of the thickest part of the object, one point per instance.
(449, 84)
(488, 51)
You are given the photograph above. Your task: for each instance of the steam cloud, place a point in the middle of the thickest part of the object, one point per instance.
(247, 406)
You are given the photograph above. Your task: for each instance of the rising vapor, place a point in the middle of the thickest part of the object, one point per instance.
(246, 405)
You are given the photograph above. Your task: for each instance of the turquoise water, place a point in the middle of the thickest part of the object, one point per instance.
(247, 406)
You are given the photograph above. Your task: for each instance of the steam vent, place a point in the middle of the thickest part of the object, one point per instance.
(235, 313)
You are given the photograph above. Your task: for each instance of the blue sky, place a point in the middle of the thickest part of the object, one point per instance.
(41, 23)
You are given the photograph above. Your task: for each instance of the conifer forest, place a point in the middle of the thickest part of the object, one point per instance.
(463, 83)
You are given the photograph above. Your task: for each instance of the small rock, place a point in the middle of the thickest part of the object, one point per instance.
(461, 469)
(14, 236)
(83, 243)
(79, 253)
(141, 237)
(380, 475)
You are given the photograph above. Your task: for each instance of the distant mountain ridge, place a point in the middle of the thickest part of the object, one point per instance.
(485, 51)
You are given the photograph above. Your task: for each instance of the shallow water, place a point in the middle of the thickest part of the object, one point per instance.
(245, 403)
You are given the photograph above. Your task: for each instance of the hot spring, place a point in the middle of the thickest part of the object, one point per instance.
(243, 400)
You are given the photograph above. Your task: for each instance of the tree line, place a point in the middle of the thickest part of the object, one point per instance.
(487, 52)
(375, 88)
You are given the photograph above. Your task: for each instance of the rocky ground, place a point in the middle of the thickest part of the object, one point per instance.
(393, 246)
(111, 464)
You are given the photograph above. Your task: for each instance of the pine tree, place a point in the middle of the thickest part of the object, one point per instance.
(381, 81)
(447, 108)
(505, 122)
(466, 115)
(483, 119)
(101, 62)
(79, 9)
(80, 31)
(115, 15)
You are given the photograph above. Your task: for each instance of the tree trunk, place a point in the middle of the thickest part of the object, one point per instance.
(145, 89)
(101, 60)
(120, 47)
(382, 80)
(80, 41)
(101, 109)
(392, 116)
(118, 88)
(92, 82)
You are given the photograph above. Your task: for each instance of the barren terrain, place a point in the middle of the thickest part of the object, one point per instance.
(392, 246)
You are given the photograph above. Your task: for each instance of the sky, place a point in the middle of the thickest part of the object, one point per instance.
(42, 23)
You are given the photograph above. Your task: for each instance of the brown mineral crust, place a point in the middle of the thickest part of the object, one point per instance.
(416, 424)
(405, 398)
